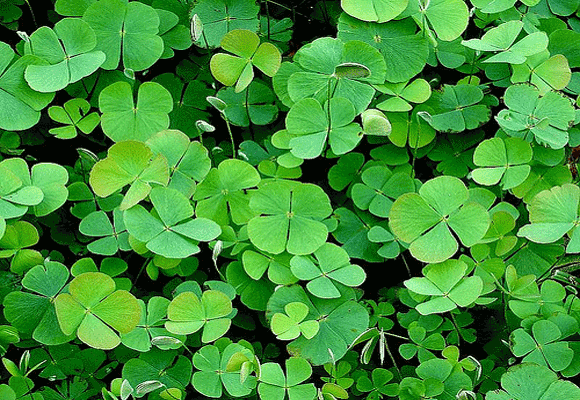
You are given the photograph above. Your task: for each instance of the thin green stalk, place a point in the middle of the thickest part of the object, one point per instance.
(456, 326)
(231, 136)
(392, 357)
(31, 13)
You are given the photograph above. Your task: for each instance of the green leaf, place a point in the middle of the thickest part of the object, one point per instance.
(424, 220)
(545, 118)
(319, 60)
(274, 385)
(222, 192)
(245, 44)
(129, 162)
(222, 16)
(544, 72)
(379, 189)
(502, 38)
(405, 51)
(533, 381)
(19, 105)
(344, 319)
(310, 126)
(289, 218)
(375, 10)
(75, 115)
(93, 309)
(127, 28)
(502, 161)
(448, 286)
(69, 52)
(122, 119)
(33, 311)
(333, 269)
(188, 162)
(256, 106)
(213, 371)
(448, 18)
(456, 108)
(170, 231)
(113, 237)
(554, 213)
(172, 370)
(187, 314)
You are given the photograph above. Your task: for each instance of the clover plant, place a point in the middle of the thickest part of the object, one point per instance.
(315, 199)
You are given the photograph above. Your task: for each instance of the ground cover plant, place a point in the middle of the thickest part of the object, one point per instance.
(310, 199)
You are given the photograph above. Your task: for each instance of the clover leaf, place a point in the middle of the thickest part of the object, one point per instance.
(113, 237)
(502, 38)
(289, 217)
(352, 232)
(400, 94)
(405, 51)
(532, 381)
(34, 312)
(345, 172)
(238, 70)
(129, 162)
(74, 114)
(278, 266)
(547, 118)
(93, 308)
(275, 385)
(17, 236)
(410, 128)
(542, 178)
(390, 247)
(188, 161)
(544, 348)
(424, 220)
(421, 343)
(310, 126)
(379, 189)
(448, 18)
(164, 368)
(544, 72)
(175, 36)
(334, 268)
(224, 189)
(290, 324)
(456, 108)
(213, 373)
(222, 16)
(447, 283)
(378, 384)
(69, 51)
(340, 321)
(19, 105)
(187, 314)
(169, 231)
(122, 119)
(256, 106)
(253, 293)
(374, 10)
(186, 104)
(554, 213)
(128, 30)
(502, 160)
(345, 69)
(43, 188)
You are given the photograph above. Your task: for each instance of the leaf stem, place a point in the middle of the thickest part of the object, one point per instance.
(454, 322)
(231, 135)
(391, 354)
(31, 13)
